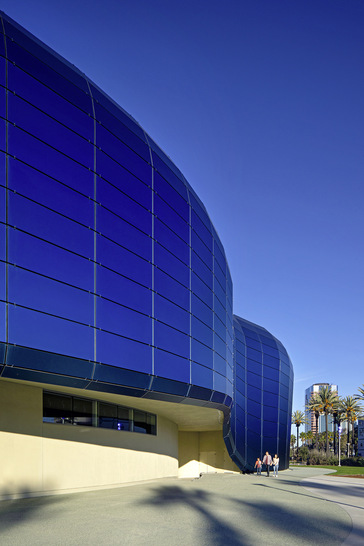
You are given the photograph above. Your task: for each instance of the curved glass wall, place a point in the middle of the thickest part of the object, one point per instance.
(260, 419)
(112, 275)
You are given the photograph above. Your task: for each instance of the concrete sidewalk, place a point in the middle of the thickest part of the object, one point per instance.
(348, 493)
(218, 509)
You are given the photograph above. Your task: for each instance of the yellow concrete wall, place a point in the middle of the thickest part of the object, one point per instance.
(39, 457)
(203, 452)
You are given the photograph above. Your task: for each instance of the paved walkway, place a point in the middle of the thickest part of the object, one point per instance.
(216, 510)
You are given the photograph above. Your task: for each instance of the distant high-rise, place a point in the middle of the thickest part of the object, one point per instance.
(310, 416)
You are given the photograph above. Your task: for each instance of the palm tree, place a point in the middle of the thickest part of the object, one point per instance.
(351, 410)
(303, 437)
(361, 395)
(309, 436)
(314, 406)
(324, 401)
(298, 418)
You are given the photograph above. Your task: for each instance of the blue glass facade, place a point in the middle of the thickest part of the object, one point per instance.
(112, 275)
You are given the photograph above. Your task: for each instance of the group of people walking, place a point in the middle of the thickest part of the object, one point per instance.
(268, 461)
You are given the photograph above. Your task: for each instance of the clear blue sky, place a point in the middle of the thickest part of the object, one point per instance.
(260, 103)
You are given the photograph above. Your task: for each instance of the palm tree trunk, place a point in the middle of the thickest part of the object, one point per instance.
(298, 429)
(327, 433)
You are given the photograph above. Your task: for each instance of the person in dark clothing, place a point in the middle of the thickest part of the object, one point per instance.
(267, 460)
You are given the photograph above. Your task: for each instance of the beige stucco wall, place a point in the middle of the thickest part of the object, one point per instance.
(40, 457)
(203, 452)
(44, 458)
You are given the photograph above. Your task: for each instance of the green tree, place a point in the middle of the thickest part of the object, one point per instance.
(293, 441)
(309, 436)
(303, 437)
(325, 402)
(360, 396)
(298, 418)
(351, 410)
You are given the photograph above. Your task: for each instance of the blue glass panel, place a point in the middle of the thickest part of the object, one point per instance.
(2, 136)
(254, 380)
(123, 321)
(2, 44)
(124, 262)
(270, 373)
(40, 125)
(200, 210)
(201, 332)
(123, 179)
(47, 56)
(254, 408)
(171, 289)
(171, 366)
(254, 344)
(201, 353)
(219, 345)
(50, 193)
(284, 391)
(240, 385)
(171, 265)
(50, 102)
(35, 219)
(271, 386)
(285, 368)
(166, 311)
(269, 429)
(119, 203)
(167, 173)
(253, 354)
(219, 274)
(270, 413)
(2, 325)
(124, 353)
(171, 196)
(201, 290)
(268, 341)
(240, 347)
(2, 275)
(124, 291)
(171, 241)
(121, 131)
(284, 379)
(270, 350)
(2, 106)
(49, 77)
(253, 366)
(116, 110)
(270, 399)
(270, 361)
(201, 230)
(249, 333)
(201, 250)
(199, 267)
(202, 376)
(219, 364)
(37, 292)
(220, 328)
(42, 257)
(116, 149)
(123, 233)
(46, 159)
(48, 333)
(220, 258)
(219, 382)
(219, 310)
(240, 373)
(220, 293)
(171, 340)
(253, 423)
(240, 400)
(165, 213)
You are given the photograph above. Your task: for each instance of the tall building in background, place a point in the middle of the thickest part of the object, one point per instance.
(310, 416)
